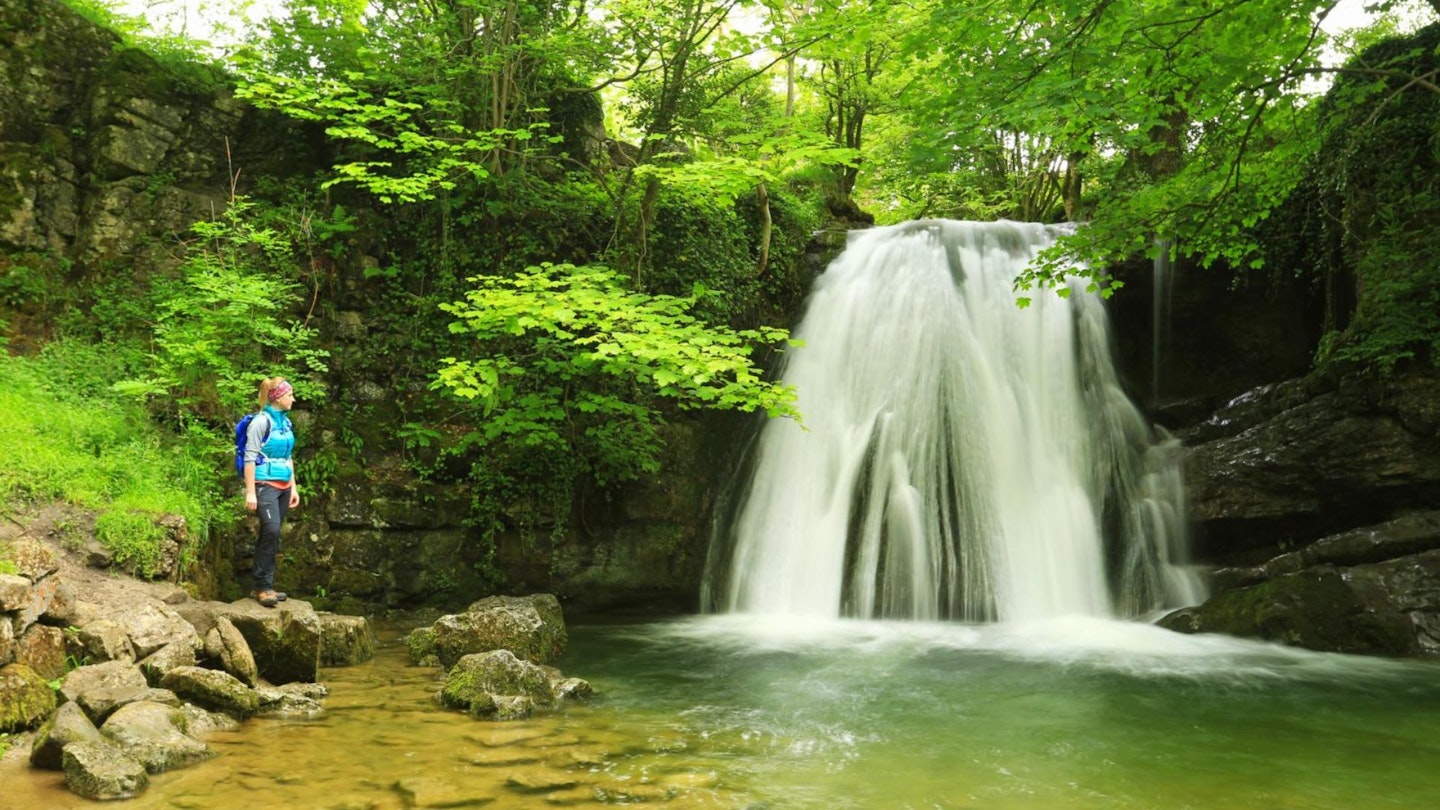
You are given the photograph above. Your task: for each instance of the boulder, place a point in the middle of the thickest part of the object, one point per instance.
(572, 689)
(285, 640)
(292, 699)
(33, 559)
(25, 698)
(43, 649)
(420, 643)
(151, 625)
(100, 689)
(62, 607)
(172, 656)
(68, 725)
(105, 640)
(154, 734)
(225, 644)
(202, 721)
(531, 627)
(102, 771)
(345, 640)
(34, 600)
(507, 707)
(1387, 608)
(212, 689)
(482, 679)
(14, 592)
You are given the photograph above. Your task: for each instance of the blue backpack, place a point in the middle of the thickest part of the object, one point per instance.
(242, 435)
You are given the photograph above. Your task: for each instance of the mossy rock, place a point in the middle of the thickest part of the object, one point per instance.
(1316, 609)
(421, 644)
(25, 698)
(481, 679)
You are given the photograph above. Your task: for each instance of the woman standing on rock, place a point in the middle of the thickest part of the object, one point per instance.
(271, 489)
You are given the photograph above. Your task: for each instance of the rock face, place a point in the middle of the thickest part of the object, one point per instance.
(1316, 497)
(1286, 464)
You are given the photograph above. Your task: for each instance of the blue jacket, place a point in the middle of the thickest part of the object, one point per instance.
(270, 444)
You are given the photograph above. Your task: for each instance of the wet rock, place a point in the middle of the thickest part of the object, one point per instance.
(1329, 609)
(25, 699)
(102, 771)
(345, 640)
(291, 700)
(438, 791)
(106, 640)
(224, 643)
(172, 656)
(479, 681)
(531, 627)
(212, 689)
(504, 707)
(420, 643)
(1401, 537)
(202, 721)
(43, 649)
(539, 778)
(572, 689)
(1307, 458)
(154, 734)
(100, 689)
(285, 640)
(68, 725)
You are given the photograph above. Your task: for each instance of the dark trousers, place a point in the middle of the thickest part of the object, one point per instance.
(271, 504)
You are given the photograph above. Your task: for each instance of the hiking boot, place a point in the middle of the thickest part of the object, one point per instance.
(281, 596)
(266, 598)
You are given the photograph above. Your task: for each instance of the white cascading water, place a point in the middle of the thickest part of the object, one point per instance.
(961, 457)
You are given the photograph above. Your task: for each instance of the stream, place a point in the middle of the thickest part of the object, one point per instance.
(756, 712)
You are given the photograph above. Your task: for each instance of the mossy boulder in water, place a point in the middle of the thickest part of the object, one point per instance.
(102, 770)
(25, 699)
(1321, 608)
(285, 640)
(69, 725)
(154, 734)
(480, 681)
(212, 689)
(345, 640)
(531, 627)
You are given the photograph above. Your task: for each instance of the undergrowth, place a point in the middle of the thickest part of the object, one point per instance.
(68, 438)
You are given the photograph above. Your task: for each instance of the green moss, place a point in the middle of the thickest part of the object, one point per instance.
(25, 698)
(421, 644)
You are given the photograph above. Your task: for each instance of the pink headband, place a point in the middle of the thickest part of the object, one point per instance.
(280, 390)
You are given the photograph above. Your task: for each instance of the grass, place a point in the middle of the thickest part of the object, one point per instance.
(67, 438)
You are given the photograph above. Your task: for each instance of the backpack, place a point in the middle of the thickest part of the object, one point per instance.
(242, 435)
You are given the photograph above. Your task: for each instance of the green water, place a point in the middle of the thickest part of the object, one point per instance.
(744, 712)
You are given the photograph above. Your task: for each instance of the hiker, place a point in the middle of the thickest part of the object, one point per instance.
(271, 488)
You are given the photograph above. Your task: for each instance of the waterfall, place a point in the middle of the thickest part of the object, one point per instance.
(960, 457)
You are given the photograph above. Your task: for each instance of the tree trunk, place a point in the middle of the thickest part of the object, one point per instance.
(763, 196)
